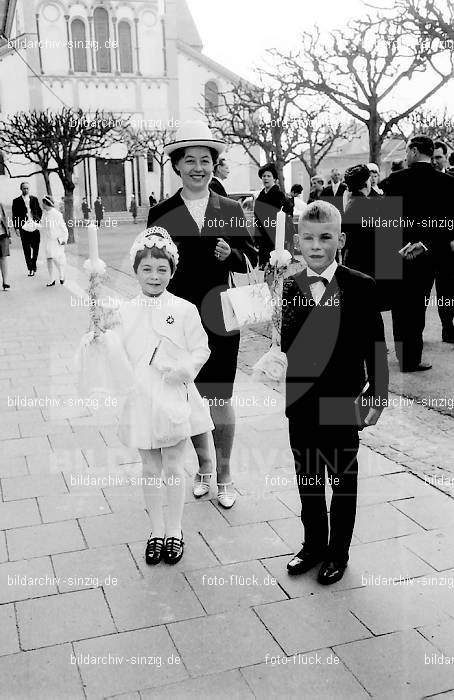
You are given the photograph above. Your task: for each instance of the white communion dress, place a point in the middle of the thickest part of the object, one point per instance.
(53, 233)
(156, 334)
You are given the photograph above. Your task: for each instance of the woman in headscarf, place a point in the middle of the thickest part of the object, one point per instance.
(213, 240)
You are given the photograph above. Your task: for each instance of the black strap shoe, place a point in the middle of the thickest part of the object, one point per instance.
(304, 561)
(154, 550)
(331, 572)
(174, 549)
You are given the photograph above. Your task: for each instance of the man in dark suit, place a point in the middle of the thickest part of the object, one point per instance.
(444, 274)
(420, 199)
(220, 172)
(333, 336)
(333, 192)
(26, 211)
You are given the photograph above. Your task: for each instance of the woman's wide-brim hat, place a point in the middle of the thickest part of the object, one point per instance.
(194, 133)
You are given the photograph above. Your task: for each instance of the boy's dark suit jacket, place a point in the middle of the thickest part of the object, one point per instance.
(332, 348)
(19, 211)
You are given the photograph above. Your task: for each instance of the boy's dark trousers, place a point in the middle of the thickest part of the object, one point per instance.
(30, 245)
(317, 451)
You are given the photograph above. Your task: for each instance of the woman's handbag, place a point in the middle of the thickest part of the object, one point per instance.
(246, 305)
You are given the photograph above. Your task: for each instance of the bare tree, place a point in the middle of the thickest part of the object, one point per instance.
(321, 131)
(18, 138)
(362, 67)
(144, 142)
(437, 125)
(261, 115)
(68, 137)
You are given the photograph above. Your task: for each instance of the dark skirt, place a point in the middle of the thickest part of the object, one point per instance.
(4, 246)
(215, 379)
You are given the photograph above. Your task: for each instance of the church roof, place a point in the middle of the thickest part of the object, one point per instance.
(186, 27)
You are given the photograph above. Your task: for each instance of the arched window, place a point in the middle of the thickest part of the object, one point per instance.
(2, 164)
(211, 97)
(125, 47)
(102, 36)
(79, 40)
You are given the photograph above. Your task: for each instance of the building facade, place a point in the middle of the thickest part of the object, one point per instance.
(142, 58)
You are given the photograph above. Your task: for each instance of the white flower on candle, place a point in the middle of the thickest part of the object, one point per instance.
(281, 258)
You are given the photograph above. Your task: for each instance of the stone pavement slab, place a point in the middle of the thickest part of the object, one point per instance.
(100, 566)
(24, 579)
(393, 666)
(436, 548)
(318, 675)
(245, 542)
(14, 466)
(115, 528)
(225, 588)
(20, 487)
(139, 659)
(9, 641)
(430, 512)
(3, 552)
(255, 509)
(63, 618)
(222, 642)
(35, 541)
(67, 506)
(307, 624)
(381, 522)
(142, 604)
(226, 685)
(394, 607)
(41, 674)
(19, 514)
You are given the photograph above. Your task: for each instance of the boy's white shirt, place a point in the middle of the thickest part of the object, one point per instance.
(318, 288)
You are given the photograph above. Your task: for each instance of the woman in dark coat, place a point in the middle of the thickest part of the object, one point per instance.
(270, 200)
(213, 240)
(365, 247)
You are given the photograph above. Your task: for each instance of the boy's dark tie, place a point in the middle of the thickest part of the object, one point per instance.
(312, 279)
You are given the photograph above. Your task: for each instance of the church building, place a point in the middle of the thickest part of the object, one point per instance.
(143, 58)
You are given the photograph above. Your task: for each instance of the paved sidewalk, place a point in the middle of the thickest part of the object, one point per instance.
(81, 615)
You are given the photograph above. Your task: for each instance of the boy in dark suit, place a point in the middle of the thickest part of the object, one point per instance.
(333, 336)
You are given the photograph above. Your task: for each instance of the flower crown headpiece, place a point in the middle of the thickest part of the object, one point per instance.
(158, 237)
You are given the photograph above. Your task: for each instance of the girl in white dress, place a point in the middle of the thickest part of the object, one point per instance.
(54, 236)
(166, 346)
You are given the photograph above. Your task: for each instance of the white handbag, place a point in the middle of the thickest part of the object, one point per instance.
(246, 305)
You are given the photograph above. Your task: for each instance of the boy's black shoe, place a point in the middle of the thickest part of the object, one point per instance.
(303, 561)
(174, 549)
(331, 572)
(422, 367)
(154, 550)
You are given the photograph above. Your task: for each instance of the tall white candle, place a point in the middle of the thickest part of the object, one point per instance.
(92, 242)
(280, 231)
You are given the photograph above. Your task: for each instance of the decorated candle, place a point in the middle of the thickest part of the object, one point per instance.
(92, 243)
(280, 231)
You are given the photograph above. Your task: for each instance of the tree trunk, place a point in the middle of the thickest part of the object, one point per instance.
(375, 142)
(69, 210)
(46, 176)
(161, 181)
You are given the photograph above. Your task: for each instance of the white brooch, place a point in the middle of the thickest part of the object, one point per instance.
(170, 319)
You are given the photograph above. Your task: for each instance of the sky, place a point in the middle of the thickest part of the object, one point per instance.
(238, 32)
